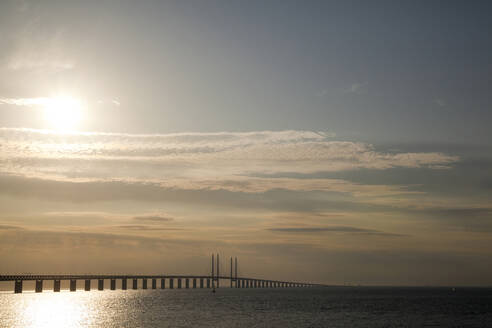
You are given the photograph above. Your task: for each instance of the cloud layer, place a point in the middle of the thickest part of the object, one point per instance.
(223, 160)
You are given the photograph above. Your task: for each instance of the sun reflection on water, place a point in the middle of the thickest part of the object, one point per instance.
(54, 310)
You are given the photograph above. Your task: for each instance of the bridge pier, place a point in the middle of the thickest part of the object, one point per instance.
(208, 282)
(39, 286)
(179, 282)
(124, 284)
(187, 282)
(56, 285)
(18, 287)
(73, 285)
(171, 283)
(144, 283)
(135, 283)
(154, 283)
(87, 285)
(100, 284)
(113, 284)
(201, 282)
(194, 282)
(163, 283)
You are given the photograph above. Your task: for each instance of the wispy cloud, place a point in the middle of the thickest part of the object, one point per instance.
(153, 218)
(356, 88)
(40, 101)
(9, 227)
(341, 229)
(146, 228)
(440, 102)
(114, 102)
(223, 160)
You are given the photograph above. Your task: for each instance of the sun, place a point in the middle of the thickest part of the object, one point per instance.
(63, 113)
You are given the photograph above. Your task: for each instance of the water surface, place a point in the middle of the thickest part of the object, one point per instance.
(323, 307)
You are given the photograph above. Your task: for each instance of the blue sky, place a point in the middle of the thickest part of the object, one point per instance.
(352, 136)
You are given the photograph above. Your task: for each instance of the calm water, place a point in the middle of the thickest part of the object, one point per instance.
(328, 307)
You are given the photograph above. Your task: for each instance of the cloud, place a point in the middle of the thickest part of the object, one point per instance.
(40, 101)
(343, 229)
(114, 102)
(9, 227)
(145, 228)
(356, 88)
(222, 160)
(440, 102)
(153, 218)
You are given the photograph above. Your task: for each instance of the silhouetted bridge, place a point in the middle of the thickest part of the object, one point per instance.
(166, 281)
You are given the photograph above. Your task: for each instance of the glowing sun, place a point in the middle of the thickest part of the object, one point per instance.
(63, 113)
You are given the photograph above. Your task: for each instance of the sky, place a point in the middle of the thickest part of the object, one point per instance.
(337, 142)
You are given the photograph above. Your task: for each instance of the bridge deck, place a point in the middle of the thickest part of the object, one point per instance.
(126, 276)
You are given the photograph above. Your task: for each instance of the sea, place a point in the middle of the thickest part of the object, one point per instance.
(228, 307)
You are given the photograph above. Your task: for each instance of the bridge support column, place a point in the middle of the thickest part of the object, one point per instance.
(201, 282)
(73, 285)
(144, 283)
(171, 283)
(187, 282)
(135, 283)
(39, 286)
(87, 285)
(113, 284)
(194, 282)
(179, 282)
(208, 282)
(154, 284)
(56, 285)
(18, 287)
(100, 284)
(163, 283)
(124, 284)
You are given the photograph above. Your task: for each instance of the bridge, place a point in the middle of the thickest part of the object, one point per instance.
(172, 281)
